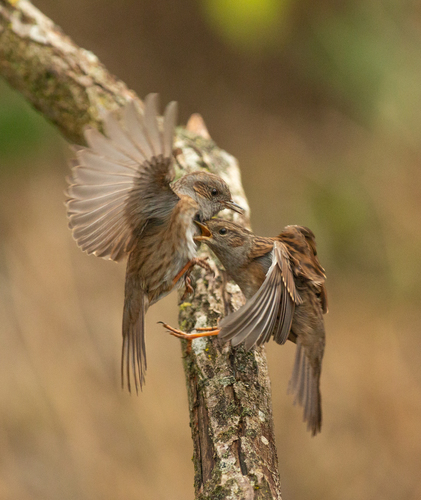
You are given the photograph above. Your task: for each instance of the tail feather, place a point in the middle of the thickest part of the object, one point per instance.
(304, 384)
(133, 356)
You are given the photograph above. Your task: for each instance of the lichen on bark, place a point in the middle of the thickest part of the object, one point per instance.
(228, 389)
(230, 403)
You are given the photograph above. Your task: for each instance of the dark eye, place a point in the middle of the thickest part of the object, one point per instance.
(223, 230)
(214, 192)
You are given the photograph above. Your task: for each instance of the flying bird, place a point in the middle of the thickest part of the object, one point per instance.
(122, 201)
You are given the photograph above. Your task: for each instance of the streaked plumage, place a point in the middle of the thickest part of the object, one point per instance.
(122, 202)
(284, 283)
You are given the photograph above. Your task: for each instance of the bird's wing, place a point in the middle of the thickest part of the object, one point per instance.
(122, 180)
(261, 247)
(307, 328)
(271, 308)
(301, 244)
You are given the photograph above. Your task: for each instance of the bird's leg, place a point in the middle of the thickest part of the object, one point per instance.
(189, 288)
(190, 264)
(187, 271)
(203, 332)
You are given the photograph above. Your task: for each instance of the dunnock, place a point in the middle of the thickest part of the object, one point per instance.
(122, 202)
(283, 283)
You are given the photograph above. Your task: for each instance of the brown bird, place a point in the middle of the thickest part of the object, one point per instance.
(283, 283)
(122, 201)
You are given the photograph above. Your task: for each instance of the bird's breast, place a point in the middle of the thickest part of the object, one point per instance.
(159, 255)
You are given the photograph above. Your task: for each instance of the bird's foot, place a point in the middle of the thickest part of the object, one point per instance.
(189, 289)
(202, 263)
(188, 267)
(201, 332)
(187, 280)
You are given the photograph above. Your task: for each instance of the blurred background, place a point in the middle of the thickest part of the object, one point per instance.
(320, 102)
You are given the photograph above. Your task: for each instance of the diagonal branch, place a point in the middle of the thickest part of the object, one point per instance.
(229, 389)
(67, 84)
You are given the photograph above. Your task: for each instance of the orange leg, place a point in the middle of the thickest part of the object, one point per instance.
(189, 289)
(203, 332)
(189, 265)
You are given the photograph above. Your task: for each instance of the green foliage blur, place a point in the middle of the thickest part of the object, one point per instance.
(320, 102)
(23, 132)
(249, 25)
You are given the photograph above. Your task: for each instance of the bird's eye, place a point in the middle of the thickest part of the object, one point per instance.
(214, 191)
(223, 230)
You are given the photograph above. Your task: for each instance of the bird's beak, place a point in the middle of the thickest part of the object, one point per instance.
(233, 206)
(206, 234)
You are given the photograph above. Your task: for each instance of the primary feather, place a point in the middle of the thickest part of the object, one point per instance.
(117, 178)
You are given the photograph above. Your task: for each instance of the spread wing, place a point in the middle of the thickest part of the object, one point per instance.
(270, 310)
(122, 180)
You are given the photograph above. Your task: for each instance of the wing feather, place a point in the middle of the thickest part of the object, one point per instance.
(151, 125)
(170, 120)
(103, 146)
(121, 139)
(269, 311)
(249, 328)
(84, 193)
(285, 315)
(135, 127)
(122, 180)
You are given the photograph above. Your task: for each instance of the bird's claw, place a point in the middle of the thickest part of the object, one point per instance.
(200, 332)
(203, 264)
(189, 289)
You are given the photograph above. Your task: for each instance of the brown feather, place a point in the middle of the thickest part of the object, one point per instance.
(118, 184)
(285, 286)
(121, 202)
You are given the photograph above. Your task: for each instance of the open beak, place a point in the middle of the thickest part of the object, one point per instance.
(233, 206)
(206, 234)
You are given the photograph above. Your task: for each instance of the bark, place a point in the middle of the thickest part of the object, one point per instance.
(228, 389)
(67, 84)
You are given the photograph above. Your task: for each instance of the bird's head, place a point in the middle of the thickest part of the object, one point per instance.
(229, 241)
(210, 192)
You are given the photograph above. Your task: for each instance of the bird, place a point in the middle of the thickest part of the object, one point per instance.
(122, 201)
(284, 284)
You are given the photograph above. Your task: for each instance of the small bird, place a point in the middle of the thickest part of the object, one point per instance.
(122, 201)
(284, 285)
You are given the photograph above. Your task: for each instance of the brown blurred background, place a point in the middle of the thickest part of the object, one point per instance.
(321, 104)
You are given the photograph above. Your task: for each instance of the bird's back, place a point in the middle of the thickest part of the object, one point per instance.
(307, 328)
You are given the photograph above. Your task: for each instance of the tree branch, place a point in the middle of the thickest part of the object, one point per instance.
(67, 84)
(229, 389)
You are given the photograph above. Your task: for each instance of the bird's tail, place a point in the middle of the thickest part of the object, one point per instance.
(133, 356)
(304, 384)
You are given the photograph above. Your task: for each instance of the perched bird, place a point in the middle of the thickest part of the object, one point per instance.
(122, 201)
(283, 283)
